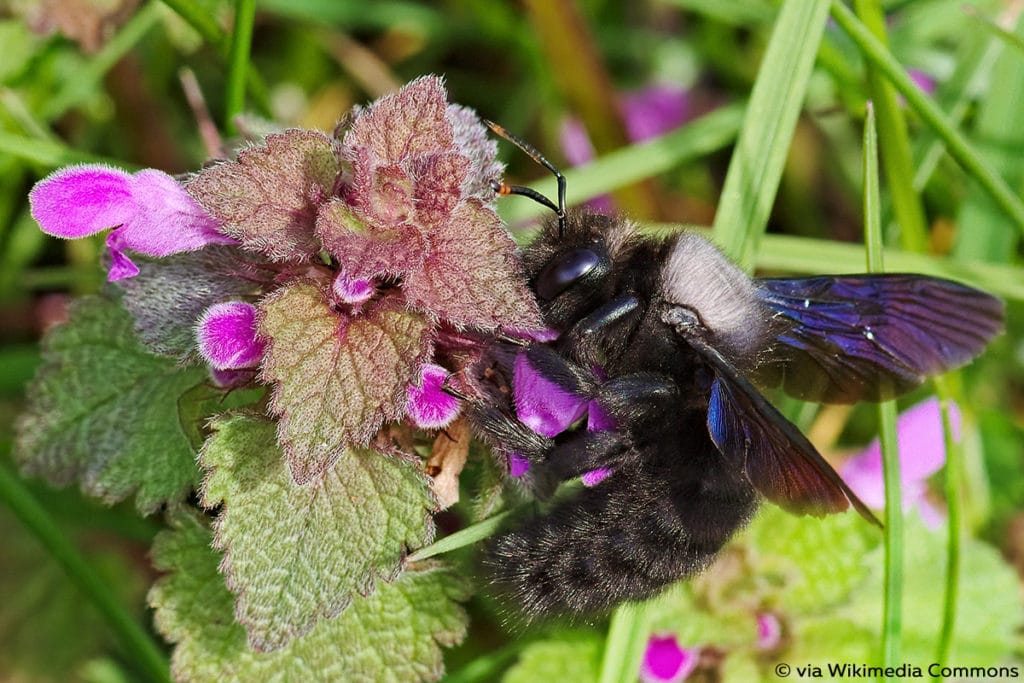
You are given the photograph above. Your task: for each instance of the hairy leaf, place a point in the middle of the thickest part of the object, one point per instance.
(295, 555)
(337, 378)
(169, 295)
(365, 249)
(405, 124)
(105, 411)
(268, 199)
(816, 562)
(393, 635)
(471, 275)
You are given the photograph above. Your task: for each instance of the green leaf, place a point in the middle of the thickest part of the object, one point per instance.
(338, 378)
(104, 411)
(295, 555)
(396, 634)
(571, 656)
(815, 563)
(268, 199)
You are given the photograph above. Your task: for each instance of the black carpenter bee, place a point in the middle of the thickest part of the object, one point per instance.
(663, 343)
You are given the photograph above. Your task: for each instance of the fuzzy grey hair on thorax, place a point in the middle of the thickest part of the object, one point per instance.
(697, 275)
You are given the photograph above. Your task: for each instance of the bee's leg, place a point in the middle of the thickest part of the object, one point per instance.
(633, 402)
(605, 331)
(504, 432)
(642, 399)
(577, 453)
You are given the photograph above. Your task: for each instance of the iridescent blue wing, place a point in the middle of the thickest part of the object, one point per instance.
(842, 339)
(776, 458)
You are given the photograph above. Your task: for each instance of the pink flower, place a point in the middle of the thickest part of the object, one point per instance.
(352, 290)
(227, 336)
(542, 405)
(922, 454)
(427, 405)
(150, 213)
(769, 631)
(666, 662)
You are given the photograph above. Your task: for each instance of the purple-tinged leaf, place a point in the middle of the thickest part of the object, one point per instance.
(438, 188)
(472, 140)
(150, 213)
(227, 336)
(367, 250)
(471, 275)
(336, 378)
(412, 121)
(269, 198)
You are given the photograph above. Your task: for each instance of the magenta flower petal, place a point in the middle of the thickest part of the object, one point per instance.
(595, 477)
(517, 465)
(922, 454)
(922, 80)
(769, 631)
(427, 405)
(666, 662)
(598, 420)
(227, 336)
(352, 290)
(167, 219)
(575, 143)
(151, 211)
(81, 200)
(120, 265)
(542, 405)
(654, 110)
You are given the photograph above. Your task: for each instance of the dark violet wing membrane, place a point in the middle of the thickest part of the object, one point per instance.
(777, 459)
(848, 338)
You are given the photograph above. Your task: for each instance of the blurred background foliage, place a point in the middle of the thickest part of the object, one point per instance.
(138, 84)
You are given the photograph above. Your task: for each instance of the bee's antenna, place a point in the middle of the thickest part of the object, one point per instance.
(526, 191)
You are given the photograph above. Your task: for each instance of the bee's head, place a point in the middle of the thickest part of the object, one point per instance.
(571, 269)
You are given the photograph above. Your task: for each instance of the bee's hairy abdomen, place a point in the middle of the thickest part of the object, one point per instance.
(657, 520)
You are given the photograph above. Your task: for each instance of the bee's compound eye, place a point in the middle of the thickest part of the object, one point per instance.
(563, 271)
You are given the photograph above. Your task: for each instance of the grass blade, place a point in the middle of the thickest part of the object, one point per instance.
(954, 511)
(892, 611)
(624, 646)
(892, 135)
(930, 113)
(461, 538)
(757, 162)
(238, 61)
(145, 653)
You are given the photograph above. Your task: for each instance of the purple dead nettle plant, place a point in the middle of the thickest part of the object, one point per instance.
(352, 273)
